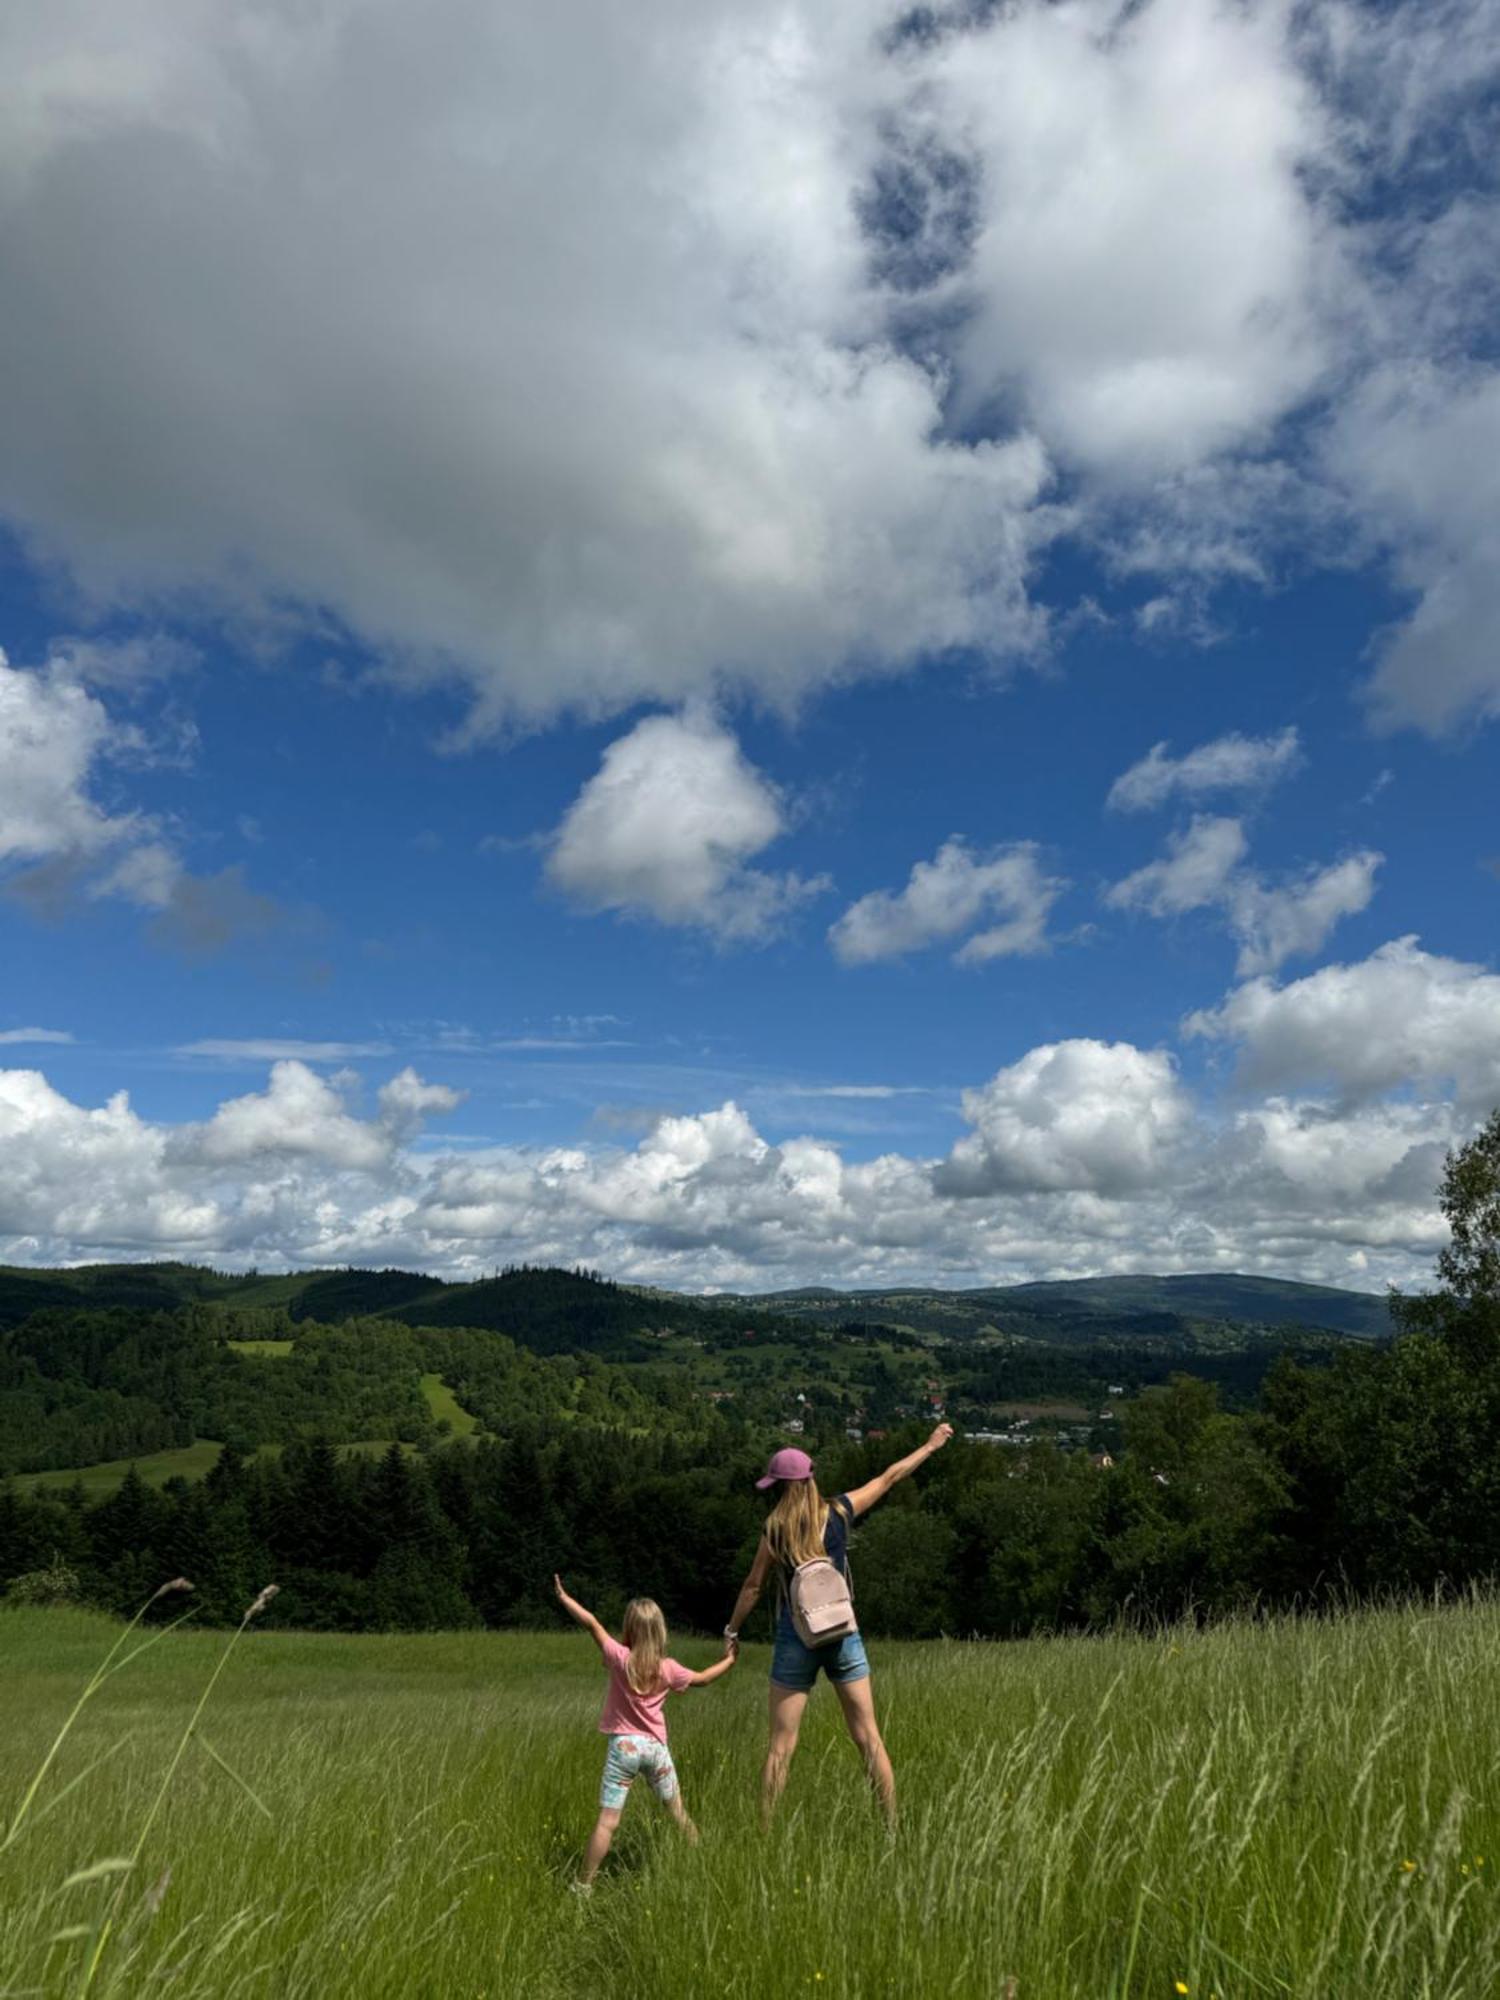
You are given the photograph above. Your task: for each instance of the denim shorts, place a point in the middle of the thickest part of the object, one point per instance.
(629, 1757)
(796, 1666)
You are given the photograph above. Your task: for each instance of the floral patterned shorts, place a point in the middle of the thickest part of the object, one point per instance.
(630, 1756)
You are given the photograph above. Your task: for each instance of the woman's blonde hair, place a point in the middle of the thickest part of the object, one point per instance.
(794, 1526)
(646, 1636)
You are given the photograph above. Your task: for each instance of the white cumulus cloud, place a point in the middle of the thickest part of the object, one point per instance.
(1151, 157)
(1402, 1016)
(667, 827)
(57, 744)
(53, 733)
(1295, 919)
(958, 891)
(1194, 872)
(1420, 445)
(301, 1114)
(1095, 1116)
(1273, 921)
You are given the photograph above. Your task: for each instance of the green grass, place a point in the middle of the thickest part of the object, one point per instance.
(276, 1348)
(191, 1461)
(1289, 1809)
(443, 1403)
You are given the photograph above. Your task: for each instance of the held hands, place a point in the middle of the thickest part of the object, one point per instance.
(940, 1437)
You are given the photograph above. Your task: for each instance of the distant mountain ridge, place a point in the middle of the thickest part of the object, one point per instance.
(1215, 1295)
(1048, 1306)
(576, 1309)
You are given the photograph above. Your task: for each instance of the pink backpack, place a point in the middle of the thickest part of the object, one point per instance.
(822, 1602)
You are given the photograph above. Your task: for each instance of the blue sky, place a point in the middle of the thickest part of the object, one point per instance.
(465, 748)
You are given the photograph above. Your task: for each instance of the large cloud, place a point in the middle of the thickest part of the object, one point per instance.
(1403, 1016)
(589, 354)
(1102, 1117)
(536, 343)
(1421, 447)
(1150, 157)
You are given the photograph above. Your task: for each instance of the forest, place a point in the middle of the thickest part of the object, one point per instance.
(1370, 1468)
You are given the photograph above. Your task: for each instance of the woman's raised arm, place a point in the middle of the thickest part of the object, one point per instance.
(863, 1498)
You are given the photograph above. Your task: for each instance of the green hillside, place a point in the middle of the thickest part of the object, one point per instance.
(1221, 1296)
(1089, 1309)
(550, 1311)
(555, 1311)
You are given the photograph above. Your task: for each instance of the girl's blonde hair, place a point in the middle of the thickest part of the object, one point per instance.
(646, 1636)
(794, 1526)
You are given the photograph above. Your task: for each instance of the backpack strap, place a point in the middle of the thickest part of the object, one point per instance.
(847, 1514)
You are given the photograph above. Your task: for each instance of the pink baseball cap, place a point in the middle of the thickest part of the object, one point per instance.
(788, 1463)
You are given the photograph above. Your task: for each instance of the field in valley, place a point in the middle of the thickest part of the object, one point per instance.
(1290, 1809)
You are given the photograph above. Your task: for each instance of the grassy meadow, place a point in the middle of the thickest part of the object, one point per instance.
(1298, 1809)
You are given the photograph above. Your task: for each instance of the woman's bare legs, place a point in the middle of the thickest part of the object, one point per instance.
(858, 1703)
(599, 1840)
(786, 1721)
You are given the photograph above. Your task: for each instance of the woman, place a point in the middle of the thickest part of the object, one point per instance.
(800, 1527)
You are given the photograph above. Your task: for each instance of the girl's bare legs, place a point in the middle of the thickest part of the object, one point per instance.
(679, 1812)
(599, 1841)
(786, 1723)
(858, 1703)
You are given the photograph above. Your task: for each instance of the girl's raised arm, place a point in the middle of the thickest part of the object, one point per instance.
(578, 1614)
(863, 1498)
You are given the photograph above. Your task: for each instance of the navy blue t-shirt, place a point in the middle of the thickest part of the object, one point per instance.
(835, 1547)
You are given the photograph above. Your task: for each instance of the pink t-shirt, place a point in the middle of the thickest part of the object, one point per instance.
(627, 1713)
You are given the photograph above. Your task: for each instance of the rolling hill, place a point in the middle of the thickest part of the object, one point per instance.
(1069, 1311)
(557, 1311)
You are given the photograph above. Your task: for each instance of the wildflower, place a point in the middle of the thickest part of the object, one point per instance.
(1180, 1985)
(1409, 1867)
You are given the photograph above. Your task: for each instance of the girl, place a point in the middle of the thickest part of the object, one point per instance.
(801, 1526)
(640, 1679)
